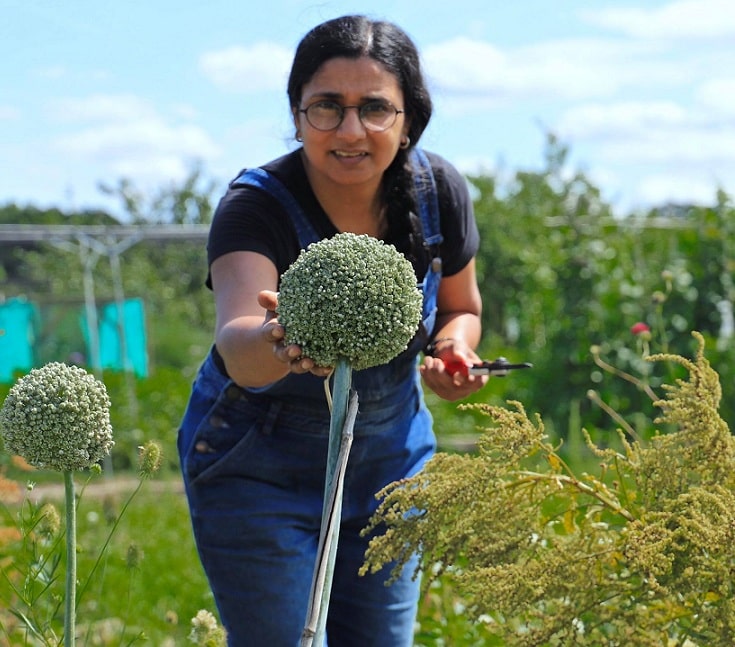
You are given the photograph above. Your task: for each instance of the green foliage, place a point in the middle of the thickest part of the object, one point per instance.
(144, 583)
(27, 269)
(640, 553)
(188, 203)
(168, 276)
(144, 410)
(559, 274)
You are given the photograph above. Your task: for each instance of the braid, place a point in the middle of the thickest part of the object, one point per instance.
(404, 226)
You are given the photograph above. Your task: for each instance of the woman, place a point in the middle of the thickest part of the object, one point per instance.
(253, 442)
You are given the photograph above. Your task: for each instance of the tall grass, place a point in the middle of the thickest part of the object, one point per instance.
(150, 584)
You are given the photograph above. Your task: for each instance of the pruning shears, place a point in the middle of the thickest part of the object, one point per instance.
(498, 367)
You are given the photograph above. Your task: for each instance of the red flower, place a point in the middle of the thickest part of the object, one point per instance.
(640, 327)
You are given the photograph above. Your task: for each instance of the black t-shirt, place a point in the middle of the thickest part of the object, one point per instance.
(250, 219)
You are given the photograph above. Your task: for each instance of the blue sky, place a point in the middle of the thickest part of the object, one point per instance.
(643, 93)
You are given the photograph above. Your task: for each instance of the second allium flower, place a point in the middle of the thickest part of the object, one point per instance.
(57, 417)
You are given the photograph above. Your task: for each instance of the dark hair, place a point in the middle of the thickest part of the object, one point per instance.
(354, 37)
(357, 36)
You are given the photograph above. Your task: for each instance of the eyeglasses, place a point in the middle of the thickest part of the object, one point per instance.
(375, 115)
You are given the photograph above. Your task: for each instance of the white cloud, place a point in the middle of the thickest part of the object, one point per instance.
(125, 136)
(479, 75)
(52, 72)
(103, 108)
(185, 111)
(259, 67)
(688, 19)
(718, 95)
(660, 150)
(137, 139)
(701, 147)
(466, 66)
(685, 187)
(9, 113)
(660, 131)
(62, 73)
(622, 119)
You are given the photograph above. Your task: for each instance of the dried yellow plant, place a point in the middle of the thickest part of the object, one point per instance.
(641, 554)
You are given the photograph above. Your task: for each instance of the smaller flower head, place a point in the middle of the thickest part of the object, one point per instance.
(134, 556)
(49, 521)
(57, 417)
(205, 631)
(640, 328)
(149, 459)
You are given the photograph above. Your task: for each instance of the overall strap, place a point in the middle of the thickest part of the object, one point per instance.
(428, 206)
(261, 179)
(426, 194)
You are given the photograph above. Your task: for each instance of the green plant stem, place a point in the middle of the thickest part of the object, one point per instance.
(110, 534)
(343, 412)
(626, 376)
(342, 382)
(561, 479)
(594, 396)
(621, 480)
(71, 561)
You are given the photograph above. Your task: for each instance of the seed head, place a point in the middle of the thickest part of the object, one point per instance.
(149, 459)
(351, 297)
(57, 417)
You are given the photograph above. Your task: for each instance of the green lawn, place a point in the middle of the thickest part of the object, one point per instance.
(153, 601)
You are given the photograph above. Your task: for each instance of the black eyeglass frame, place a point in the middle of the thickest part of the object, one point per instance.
(360, 108)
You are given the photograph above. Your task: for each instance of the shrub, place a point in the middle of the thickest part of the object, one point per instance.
(641, 553)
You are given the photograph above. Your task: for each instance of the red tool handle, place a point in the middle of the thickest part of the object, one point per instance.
(455, 366)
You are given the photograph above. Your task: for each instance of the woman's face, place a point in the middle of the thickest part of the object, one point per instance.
(351, 154)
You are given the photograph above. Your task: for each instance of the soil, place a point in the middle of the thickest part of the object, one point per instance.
(101, 487)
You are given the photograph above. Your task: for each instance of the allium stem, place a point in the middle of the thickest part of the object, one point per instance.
(71, 560)
(340, 398)
(342, 421)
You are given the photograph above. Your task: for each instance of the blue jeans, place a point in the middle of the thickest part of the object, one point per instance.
(254, 468)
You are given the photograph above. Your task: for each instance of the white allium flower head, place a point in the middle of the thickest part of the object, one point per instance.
(57, 417)
(351, 297)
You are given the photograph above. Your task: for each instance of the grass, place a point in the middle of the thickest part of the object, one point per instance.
(150, 583)
(144, 590)
(151, 577)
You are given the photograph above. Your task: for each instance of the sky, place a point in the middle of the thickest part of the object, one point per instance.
(641, 92)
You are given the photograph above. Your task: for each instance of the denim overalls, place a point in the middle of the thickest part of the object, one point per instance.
(254, 466)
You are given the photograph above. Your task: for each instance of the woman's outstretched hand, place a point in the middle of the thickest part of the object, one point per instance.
(274, 334)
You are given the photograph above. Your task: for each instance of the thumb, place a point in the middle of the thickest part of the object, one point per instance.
(268, 299)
